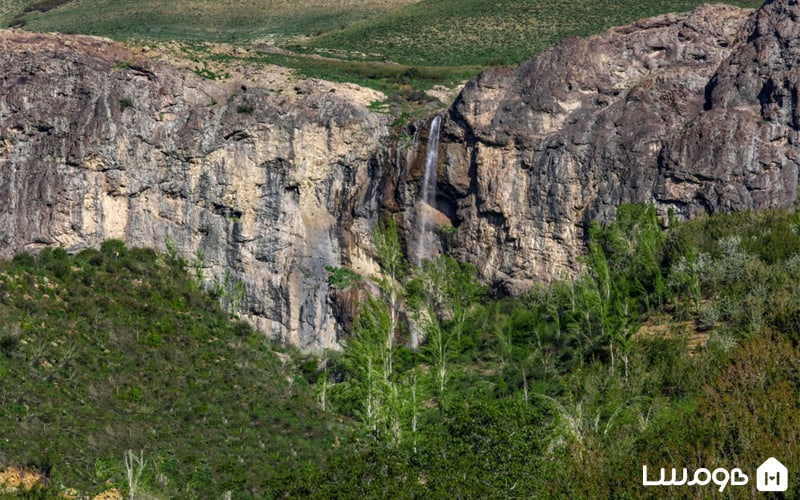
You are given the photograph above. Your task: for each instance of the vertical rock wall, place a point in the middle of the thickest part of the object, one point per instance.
(692, 112)
(695, 112)
(271, 185)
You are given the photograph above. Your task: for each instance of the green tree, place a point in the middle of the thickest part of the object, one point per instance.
(441, 294)
(393, 266)
(368, 362)
(624, 260)
(372, 386)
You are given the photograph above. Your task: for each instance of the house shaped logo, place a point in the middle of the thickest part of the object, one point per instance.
(772, 476)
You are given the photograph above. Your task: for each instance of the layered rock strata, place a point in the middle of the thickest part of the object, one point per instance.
(273, 181)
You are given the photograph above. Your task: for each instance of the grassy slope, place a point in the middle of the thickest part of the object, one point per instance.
(436, 32)
(392, 79)
(427, 33)
(200, 19)
(105, 352)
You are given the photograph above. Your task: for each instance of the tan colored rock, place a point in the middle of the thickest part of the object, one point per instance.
(99, 142)
(15, 479)
(273, 178)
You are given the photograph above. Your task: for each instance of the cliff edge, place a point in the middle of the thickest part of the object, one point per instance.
(692, 112)
(270, 181)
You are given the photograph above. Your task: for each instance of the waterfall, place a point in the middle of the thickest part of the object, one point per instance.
(427, 195)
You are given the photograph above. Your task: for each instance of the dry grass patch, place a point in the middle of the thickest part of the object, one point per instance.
(15, 479)
(665, 327)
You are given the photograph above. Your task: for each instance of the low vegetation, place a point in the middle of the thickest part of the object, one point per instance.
(674, 348)
(117, 355)
(197, 20)
(476, 32)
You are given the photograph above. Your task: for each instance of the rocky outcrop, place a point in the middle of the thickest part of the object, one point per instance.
(694, 112)
(742, 151)
(269, 185)
(272, 182)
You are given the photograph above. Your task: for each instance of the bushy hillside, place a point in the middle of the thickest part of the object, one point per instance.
(677, 348)
(119, 349)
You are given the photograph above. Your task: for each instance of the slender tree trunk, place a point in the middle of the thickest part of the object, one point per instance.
(525, 384)
(611, 348)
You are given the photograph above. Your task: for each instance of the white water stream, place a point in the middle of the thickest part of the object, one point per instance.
(427, 198)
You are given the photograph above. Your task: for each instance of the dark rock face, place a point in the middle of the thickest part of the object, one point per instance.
(97, 142)
(694, 112)
(742, 151)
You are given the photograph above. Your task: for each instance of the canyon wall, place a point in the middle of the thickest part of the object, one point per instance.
(693, 113)
(272, 180)
(267, 184)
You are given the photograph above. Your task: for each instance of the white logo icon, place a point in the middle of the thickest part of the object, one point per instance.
(772, 476)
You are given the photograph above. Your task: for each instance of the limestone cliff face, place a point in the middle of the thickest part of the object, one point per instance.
(694, 112)
(271, 185)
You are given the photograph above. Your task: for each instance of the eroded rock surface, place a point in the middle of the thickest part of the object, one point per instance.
(270, 184)
(694, 112)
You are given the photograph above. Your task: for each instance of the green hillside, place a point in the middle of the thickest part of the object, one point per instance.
(676, 348)
(424, 33)
(192, 20)
(468, 32)
(117, 350)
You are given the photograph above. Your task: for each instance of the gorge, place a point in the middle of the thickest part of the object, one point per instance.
(272, 183)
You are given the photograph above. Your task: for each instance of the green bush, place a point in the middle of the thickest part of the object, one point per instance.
(673, 347)
(125, 103)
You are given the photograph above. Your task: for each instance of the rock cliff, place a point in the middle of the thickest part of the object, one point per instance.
(693, 112)
(272, 182)
(269, 184)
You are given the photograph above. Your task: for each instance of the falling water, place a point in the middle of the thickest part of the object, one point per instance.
(427, 198)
